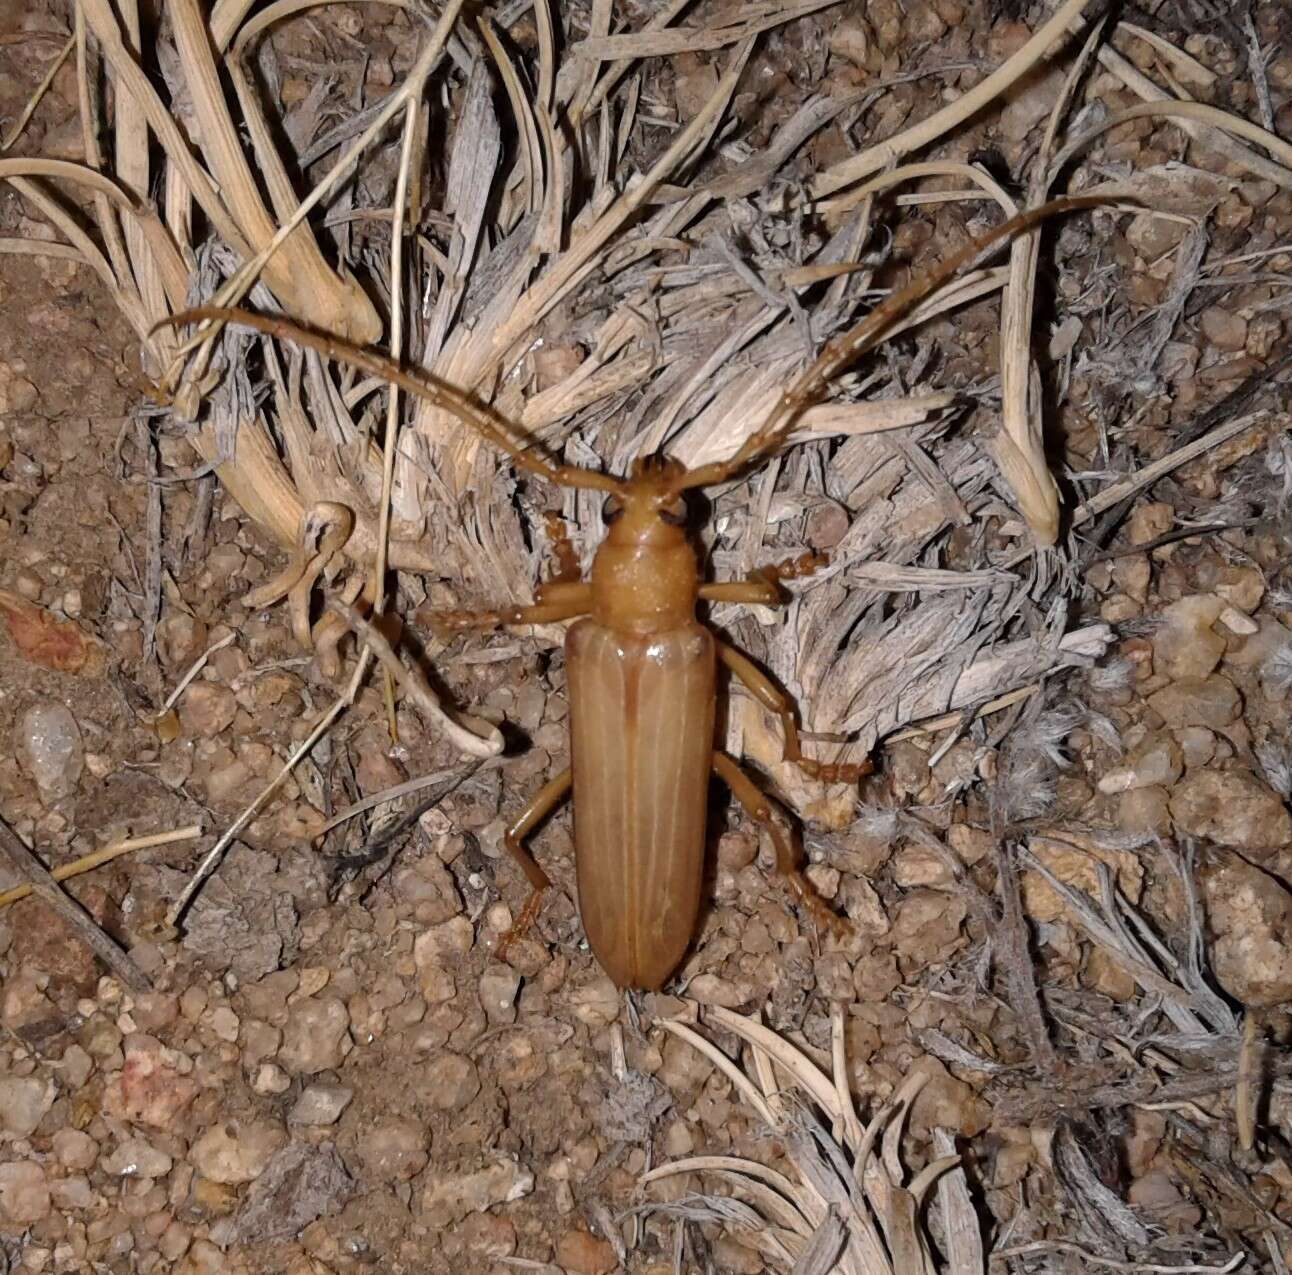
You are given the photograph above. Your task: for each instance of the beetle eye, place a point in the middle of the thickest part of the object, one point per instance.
(611, 509)
(674, 514)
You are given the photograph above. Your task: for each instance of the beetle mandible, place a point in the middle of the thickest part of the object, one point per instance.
(641, 667)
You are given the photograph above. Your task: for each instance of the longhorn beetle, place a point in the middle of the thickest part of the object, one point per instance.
(641, 668)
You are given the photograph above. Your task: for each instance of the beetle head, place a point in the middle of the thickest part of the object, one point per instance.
(648, 508)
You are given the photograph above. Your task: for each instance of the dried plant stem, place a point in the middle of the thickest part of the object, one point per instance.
(913, 172)
(1140, 84)
(38, 248)
(665, 43)
(1038, 1247)
(1014, 956)
(1245, 1094)
(134, 86)
(88, 862)
(1172, 52)
(91, 127)
(1019, 448)
(616, 71)
(395, 793)
(198, 665)
(948, 720)
(1043, 44)
(396, 354)
(577, 259)
(15, 131)
(720, 1060)
(43, 884)
(1118, 491)
(484, 742)
(237, 287)
(211, 860)
(298, 274)
(1187, 113)
(378, 586)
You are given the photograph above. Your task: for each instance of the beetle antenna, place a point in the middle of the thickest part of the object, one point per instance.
(841, 350)
(487, 423)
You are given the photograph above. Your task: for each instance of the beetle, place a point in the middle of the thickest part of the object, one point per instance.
(641, 667)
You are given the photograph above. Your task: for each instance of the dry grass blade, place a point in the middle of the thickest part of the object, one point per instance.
(15, 129)
(45, 886)
(297, 273)
(848, 1211)
(1042, 44)
(88, 862)
(654, 44)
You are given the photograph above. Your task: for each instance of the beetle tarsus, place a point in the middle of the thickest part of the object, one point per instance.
(557, 600)
(759, 808)
(521, 925)
(798, 568)
(558, 537)
(805, 893)
(834, 772)
(771, 697)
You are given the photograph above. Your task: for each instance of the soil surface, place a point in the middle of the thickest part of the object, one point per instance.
(334, 1073)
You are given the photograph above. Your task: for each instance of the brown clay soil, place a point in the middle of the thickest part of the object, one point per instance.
(333, 1073)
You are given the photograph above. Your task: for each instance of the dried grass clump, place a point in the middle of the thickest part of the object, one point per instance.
(610, 296)
(851, 1206)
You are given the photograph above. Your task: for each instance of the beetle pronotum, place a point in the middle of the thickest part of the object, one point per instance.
(641, 668)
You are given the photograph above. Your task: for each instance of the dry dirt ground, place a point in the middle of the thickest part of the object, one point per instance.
(333, 1073)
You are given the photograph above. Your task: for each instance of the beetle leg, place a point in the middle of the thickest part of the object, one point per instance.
(755, 802)
(548, 797)
(760, 588)
(557, 600)
(558, 536)
(771, 697)
(751, 592)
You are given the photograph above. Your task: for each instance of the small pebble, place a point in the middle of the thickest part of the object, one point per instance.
(1250, 915)
(320, 1105)
(1185, 645)
(316, 1036)
(24, 1193)
(236, 1150)
(207, 709)
(150, 1088)
(49, 746)
(582, 1253)
(71, 1193)
(450, 1081)
(1212, 701)
(1232, 808)
(74, 1149)
(23, 1103)
(136, 1158)
(449, 1197)
(596, 1002)
(1223, 329)
(181, 638)
(1155, 762)
(1197, 745)
(17, 394)
(394, 1150)
(498, 988)
(271, 1079)
(224, 1023)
